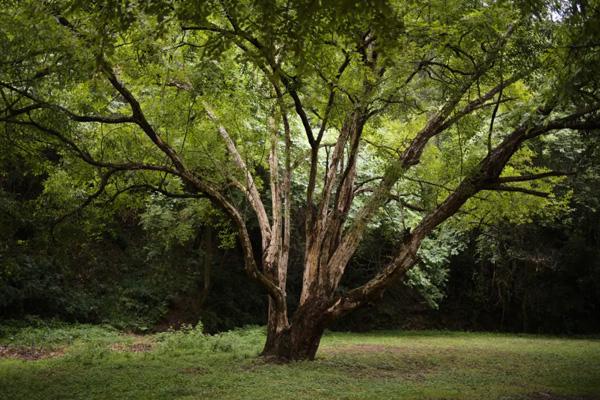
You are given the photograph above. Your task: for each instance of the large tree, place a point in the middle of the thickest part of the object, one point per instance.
(247, 103)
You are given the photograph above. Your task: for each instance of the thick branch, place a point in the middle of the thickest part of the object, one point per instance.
(250, 189)
(212, 192)
(488, 172)
(411, 156)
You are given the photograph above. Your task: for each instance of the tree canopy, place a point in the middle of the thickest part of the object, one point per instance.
(346, 115)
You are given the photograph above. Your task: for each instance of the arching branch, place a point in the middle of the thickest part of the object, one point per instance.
(484, 176)
(250, 188)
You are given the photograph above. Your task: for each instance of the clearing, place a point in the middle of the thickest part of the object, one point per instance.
(92, 362)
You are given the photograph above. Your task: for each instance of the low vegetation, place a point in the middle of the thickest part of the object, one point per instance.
(57, 361)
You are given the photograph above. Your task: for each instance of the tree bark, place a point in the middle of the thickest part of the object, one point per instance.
(301, 338)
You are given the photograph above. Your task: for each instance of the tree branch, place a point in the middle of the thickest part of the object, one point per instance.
(411, 156)
(250, 189)
(505, 188)
(103, 183)
(85, 156)
(41, 104)
(484, 177)
(531, 177)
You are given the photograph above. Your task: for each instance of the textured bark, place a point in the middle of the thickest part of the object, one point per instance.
(301, 339)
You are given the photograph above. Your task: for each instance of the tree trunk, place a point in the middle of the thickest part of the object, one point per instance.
(301, 338)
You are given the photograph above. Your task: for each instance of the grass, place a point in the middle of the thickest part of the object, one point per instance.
(91, 362)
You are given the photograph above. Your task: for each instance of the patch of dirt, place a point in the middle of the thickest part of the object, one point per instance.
(399, 371)
(374, 348)
(256, 364)
(359, 348)
(28, 353)
(550, 396)
(379, 348)
(136, 347)
(399, 363)
(194, 370)
(353, 348)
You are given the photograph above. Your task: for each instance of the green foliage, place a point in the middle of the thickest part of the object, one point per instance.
(50, 334)
(240, 342)
(429, 277)
(86, 247)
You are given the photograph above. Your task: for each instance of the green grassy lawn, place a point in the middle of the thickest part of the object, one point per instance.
(87, 362)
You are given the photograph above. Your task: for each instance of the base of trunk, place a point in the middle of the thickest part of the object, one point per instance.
(298, 341)
(293, 345)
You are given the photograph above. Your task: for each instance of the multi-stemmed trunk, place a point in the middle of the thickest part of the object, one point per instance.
(331, 237)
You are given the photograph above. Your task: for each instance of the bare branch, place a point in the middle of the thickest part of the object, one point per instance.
(531, 177)
(444, 66)
(481, 101)
(250, 188)
(394, 197)
(505, 188)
